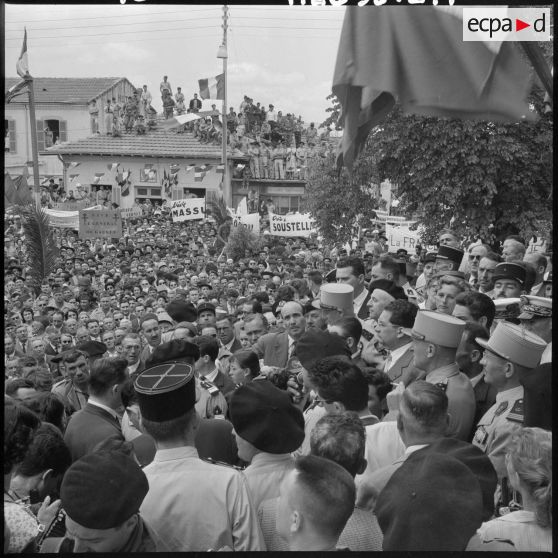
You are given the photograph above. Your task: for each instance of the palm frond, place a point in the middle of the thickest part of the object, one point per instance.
(217, 208)
(42, 252)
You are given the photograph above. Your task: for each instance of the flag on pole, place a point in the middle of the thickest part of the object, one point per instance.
(179, 120)
(213, 87)
(22, 64)
(112, 166)
(242, 207)
(190, 167)
(18, 89)
(417, 55)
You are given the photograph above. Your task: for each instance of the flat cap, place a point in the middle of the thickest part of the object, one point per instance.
(92, 348)
(264, 416)
(103, 489)
(181, 311)
(166, 391)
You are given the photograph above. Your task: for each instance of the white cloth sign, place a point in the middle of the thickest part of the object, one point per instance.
(250, 221)
(401, 237)
(187, 209)
(298, 224)
(63, 219)
(131, 212)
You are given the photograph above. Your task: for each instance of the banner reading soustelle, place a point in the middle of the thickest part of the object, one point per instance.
(188, 209)
(298, 224)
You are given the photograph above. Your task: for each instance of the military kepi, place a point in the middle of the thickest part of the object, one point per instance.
(440, 329)
(166, 391)
(514, 343)
(450, 253)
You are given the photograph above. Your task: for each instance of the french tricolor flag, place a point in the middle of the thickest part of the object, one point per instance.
(213, 87)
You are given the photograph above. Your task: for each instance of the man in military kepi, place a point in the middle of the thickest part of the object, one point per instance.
(436, 337)
(448, 258)
(536, 317)
(193, 505)
(509, 352)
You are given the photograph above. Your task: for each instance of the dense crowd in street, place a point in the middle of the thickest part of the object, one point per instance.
(160, 396)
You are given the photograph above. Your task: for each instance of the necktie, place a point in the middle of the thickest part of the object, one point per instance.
(387, 364)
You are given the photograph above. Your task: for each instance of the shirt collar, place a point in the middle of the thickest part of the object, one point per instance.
(211, 377)
(102, 406)
(398, 353)
(510, 394)
(170, 454)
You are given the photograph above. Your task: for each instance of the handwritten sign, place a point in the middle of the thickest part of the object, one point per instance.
(102, 223)
(131, 212)
(401, 237)
(250, 221)
(298, 224)
(70, 206)
(187, 209)
(536, 246)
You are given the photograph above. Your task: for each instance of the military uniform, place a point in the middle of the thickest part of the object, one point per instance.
(461, 399)
(499, 423)
(193, 505)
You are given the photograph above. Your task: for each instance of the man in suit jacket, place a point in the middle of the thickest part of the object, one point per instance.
(206, 367)
(227, 340)
(351, 271)
(276, 348)
(99, 419)
(392, 330)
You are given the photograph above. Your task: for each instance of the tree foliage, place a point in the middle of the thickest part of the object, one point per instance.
(241, 239)
(334, 113)
(337, 201)
(482, 178)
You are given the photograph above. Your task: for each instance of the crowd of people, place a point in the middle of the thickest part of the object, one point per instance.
(161, 396)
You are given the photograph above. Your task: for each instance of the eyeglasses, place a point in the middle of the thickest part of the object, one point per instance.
(475, 257)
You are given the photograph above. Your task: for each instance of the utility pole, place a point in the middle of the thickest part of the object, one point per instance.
(34, 148)
(224, 55)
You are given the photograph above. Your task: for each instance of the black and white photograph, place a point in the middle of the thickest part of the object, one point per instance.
(278, 277)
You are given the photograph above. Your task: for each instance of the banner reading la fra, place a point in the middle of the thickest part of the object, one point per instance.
(188, 209)
(297, 224)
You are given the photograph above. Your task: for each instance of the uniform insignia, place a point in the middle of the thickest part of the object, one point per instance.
(516, 413)
(443, 385)
(215, 462)
(481, 435)
(501, 408)
(210, 387)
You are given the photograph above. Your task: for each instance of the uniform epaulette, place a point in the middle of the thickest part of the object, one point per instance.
(215, 462)
(209, 386)
(516, 413)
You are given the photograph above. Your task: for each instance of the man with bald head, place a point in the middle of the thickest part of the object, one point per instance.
(277, 348)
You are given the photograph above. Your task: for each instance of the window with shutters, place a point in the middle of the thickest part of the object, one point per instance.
(50, 131)
(10, 145)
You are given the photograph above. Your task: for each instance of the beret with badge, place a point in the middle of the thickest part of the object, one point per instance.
(166, 391)
(174, 350)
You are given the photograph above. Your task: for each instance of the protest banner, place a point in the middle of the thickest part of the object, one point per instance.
(187, 209)
(62, 219)
(537, 245)
(298, 224)
(400, 236)
(70, 206)
(250, 221)
(131, 212)
(101, 223)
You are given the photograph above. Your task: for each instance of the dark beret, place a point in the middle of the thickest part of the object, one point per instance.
(264, 416)
(149, 315)
(181, 311)
(103, 489)
(176, 349)
(433, 502)
(92, 348)
(389, 287)
(314, 345)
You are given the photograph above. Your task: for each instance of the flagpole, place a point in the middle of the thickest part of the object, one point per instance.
(34, 146)
(224, 55)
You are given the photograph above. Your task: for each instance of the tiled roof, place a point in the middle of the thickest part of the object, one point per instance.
(76, 91)
(155, 143)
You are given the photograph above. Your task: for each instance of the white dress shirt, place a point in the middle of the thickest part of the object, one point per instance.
(395, 355)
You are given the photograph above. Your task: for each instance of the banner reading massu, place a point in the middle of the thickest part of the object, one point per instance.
(187, 209)
(298, 224)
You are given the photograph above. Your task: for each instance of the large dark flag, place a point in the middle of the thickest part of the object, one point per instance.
(416, 55)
